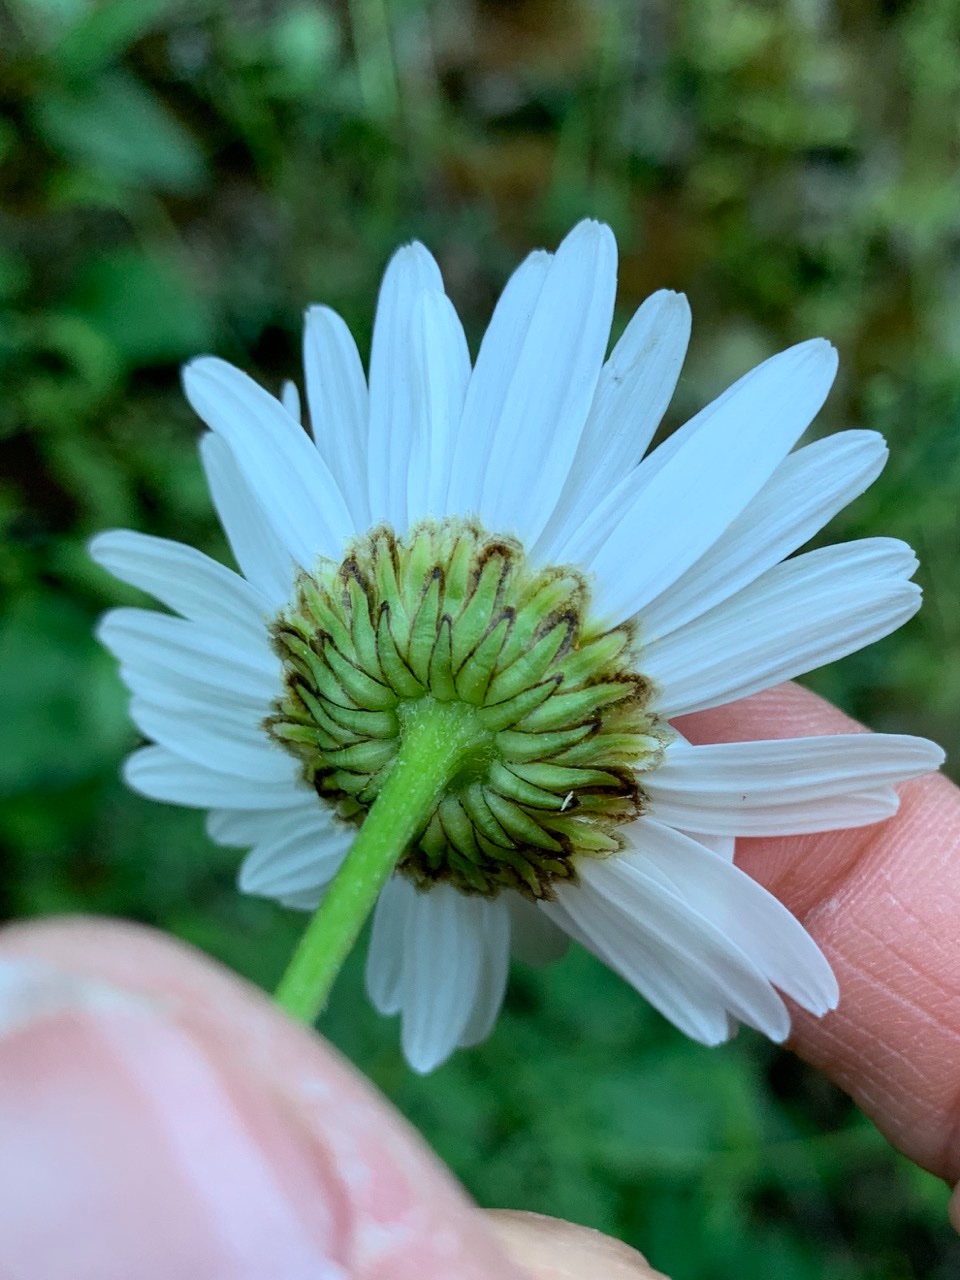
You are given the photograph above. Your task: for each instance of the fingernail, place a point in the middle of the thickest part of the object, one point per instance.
(125, 1151)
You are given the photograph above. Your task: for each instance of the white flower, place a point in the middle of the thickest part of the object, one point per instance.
(541, 443)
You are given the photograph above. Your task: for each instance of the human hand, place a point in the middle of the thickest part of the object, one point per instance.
(884, 904)
(161, 1118)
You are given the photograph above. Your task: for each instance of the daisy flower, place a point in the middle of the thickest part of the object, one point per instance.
(470, 603)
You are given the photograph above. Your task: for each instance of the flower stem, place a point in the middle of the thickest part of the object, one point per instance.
(437, 738)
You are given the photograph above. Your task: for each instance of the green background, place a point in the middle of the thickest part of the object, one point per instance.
(179, 178)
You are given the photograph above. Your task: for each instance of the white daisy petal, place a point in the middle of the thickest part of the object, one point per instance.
(293, 484)
(805, 370)
(294, 859)
(385, 955)
(632, 395)
(164, 687)
(442, 936)
(185, 655)
(493, 923)
(640, 893)
(685, 967)
(339, 406)
(242, 828)
(674, 987)
(536, 433)
(802, 614)
(183, 579)
(160, 775)
(782, 786)
(534, 938)
(742, 910)
(491, 381)
(806, 490)
(440, 371)
(832, 813)
(263, 559)
(392, 394)
(290, 399)
(305, 900)
(723, 846)
(222, 738)
(469, 932)
(684, 496)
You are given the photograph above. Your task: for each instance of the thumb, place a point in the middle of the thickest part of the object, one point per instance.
(161, 1118)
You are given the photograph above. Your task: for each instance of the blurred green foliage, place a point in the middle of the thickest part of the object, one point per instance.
(179, 178)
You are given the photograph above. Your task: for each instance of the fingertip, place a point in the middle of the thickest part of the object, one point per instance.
(223, 1139)
(883, 903)
(551, 1249)
(132, 1149)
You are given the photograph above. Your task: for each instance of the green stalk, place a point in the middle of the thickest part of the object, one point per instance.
(438, 737)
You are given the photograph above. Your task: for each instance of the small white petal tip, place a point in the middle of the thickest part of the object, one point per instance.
(101, 545)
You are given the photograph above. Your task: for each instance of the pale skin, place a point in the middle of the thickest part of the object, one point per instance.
(166, 1095)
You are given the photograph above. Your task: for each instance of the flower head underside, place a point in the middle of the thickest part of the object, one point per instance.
(558, 711)
(493, 545)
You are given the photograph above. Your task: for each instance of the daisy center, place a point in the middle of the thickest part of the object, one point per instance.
(453, 623)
